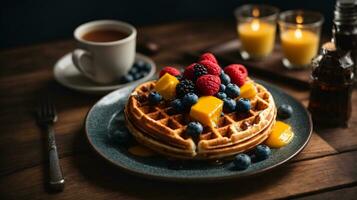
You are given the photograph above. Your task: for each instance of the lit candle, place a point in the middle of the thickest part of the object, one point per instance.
(257, 37)
(299, 44)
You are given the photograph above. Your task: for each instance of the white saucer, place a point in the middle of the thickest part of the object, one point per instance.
(67, 75)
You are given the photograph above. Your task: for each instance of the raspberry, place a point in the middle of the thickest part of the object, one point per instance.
(208, 56)
(189, 72)
(199, 70)
(236, 75)
(212, 68)
(208, 85)
(171, 70)
(241, 68)
(185, 87)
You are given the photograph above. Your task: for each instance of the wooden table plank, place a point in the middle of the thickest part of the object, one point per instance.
(103, 181)
(349, 193)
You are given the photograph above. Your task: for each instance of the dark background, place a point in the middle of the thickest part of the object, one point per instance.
(27, 22)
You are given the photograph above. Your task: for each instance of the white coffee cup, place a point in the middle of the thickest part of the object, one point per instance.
(104, 62)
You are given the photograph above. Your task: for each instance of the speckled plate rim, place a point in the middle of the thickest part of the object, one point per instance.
(206, 178)
(98, 89)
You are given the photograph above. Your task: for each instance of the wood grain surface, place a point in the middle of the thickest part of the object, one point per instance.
(326, 168)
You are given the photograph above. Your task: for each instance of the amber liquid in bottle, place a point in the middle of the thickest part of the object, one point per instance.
(331, 89)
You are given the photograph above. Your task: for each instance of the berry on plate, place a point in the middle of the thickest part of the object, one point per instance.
(184, 87)
(232, 90)
(225, 79)
(221, 95)
(208, 56)
(189, 72)
(171, 70)
(189, 99)
(242, 161)
(222, 88)
(194, 129)
(199, 70)
(229, 105)
(154, 98)
(127, 78)
(262, 152)
(236, 74)
(208, 85)
(243, 105)
(285, 111)
(212, 68)
(177, 105)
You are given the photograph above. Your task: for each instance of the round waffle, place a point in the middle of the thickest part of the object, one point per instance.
(162, 129)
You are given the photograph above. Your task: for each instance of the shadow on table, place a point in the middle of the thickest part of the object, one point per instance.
(100, 173)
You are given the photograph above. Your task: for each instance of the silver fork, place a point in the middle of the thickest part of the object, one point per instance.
(47, 116)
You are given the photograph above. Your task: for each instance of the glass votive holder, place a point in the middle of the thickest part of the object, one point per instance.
(300, 37)
(256, 27)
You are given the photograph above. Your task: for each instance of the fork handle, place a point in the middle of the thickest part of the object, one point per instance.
(56, 181)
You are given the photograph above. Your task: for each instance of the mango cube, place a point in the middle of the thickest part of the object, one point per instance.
(207, 110)
(280, 136)
(166, 86)
(248, 90)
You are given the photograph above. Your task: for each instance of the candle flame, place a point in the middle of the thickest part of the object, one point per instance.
(298, 33)
(255, 25)
(299, 19)
(255, 12)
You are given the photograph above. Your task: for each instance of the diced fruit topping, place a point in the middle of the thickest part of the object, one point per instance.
(222, 88)
(212, 68)
(171, 70)
(208, 85)
(208, 56)
(154, 98)
(185, 87)
(225, 79)
(232, 90)
(242, 161)
(189, 72)
(236, 74)
(221, 95)
(243, 105)
(229, 105)
(199, 70)
(166, 86)
(248, 90)
(280, 136)
(189, 99)
(194, 129)
(285, 111)
(262, 152)
(207, 110)
(177, 105)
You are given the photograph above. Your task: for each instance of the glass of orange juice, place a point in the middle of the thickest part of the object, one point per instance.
(300, 37)
(256, 27)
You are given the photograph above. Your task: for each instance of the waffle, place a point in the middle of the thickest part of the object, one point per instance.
(163, 130)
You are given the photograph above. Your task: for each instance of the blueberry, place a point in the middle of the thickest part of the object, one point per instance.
(154, 98)
(133, 71)
(262, 152)
(225, 79)
(229, 105)
(119, 137)
(285, 111)
(221, 95)
(243, 105)
(222, 88)
(232, 90)
(194, 129)
(177, 105)
(146, 67)
(189, 99)
(242, 161)
(139, 64)
(126, 79)
(137, 76)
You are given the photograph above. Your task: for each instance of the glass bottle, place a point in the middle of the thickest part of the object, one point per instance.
(331, 89)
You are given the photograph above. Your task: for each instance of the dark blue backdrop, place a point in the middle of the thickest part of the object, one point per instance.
(26, 22)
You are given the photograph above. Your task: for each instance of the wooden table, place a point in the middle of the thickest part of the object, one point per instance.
(327, 167)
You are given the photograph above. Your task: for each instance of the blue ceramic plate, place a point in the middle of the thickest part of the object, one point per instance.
(106, 120)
